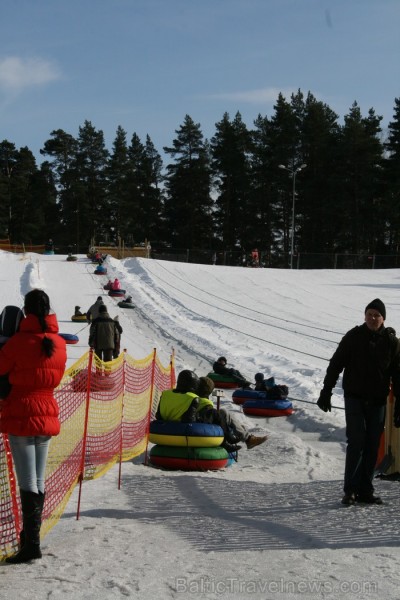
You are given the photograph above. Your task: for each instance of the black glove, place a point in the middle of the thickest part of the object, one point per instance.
(324, 400)
(396, 414)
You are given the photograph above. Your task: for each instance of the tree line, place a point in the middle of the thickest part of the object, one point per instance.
(226, 193)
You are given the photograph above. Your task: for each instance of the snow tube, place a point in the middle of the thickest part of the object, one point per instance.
(116, 293)
(100, 271)
(69, 338)
(71, 258)
(188, 458)
(223, 381)
(123, 304)
(242, 395)
(268, 408)
(175, 433)
(78, 318)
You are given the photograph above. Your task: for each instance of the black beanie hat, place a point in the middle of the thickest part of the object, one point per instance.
(378, 305)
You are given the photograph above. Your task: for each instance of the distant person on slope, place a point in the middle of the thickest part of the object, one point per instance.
(369, 354)
(220, 368)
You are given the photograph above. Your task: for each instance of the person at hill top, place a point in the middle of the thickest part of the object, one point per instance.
(34, 358)
(220, 368)
(369, 354)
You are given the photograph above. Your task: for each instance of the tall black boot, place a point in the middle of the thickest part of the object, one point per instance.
(22, 532)
(32, 506)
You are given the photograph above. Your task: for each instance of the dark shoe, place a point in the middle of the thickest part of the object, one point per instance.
(230, 448)
(349, 499)
(368, 499)
(29, 551)
(254, 440)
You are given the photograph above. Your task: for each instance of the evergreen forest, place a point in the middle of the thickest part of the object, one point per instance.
(299, 181)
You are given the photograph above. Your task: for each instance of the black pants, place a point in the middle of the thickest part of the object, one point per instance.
(364, 427)
(104, 355)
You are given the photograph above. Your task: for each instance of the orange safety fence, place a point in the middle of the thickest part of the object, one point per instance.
(105, 413)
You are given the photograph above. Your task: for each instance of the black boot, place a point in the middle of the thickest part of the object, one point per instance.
(22, 532)
(230, 447)
(32, 506)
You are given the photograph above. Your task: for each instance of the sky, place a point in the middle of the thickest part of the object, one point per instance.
(146, 64)
(269, 527)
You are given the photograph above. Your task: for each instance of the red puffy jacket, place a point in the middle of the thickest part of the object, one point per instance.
(30, 408)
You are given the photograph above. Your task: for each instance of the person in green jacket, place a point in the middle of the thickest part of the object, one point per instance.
(180, 403)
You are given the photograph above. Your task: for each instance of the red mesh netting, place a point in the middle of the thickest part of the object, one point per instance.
(105, 411)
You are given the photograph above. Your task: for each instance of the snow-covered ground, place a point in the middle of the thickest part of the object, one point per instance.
(269, 527)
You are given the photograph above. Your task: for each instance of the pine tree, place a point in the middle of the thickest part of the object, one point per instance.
(392, 180)
(361, 152)
(90, 164)
(188, 202)
(231, 148)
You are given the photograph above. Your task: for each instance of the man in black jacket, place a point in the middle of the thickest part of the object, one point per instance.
(369, 354)
(102, 335)
(220, 368)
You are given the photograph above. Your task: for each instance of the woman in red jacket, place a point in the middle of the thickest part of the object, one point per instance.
(34, 359)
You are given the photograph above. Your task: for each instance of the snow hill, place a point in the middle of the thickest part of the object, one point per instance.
(269, 527)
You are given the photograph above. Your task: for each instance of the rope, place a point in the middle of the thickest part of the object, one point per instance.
(314, 403)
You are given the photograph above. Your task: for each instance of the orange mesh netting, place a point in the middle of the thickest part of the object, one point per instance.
(105, 413)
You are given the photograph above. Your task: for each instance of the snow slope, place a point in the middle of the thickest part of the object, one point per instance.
(269, 527)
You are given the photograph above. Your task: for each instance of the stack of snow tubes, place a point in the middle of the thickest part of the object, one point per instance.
(187, 446)
(258, 404)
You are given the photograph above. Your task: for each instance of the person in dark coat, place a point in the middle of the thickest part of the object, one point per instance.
(102, 335)
(369, 355)
(118, 332)
(93, 311)
(220, 368)
(10, 320)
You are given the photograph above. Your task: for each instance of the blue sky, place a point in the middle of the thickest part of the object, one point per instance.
(145, 64)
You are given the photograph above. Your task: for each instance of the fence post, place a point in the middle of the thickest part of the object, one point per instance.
(82, 467)
(121, 435)
(153, 367)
